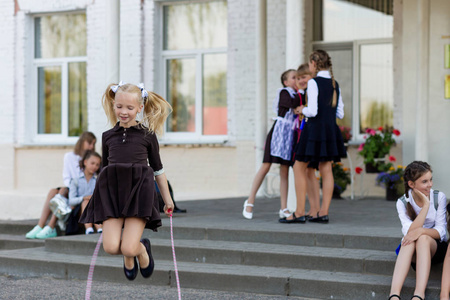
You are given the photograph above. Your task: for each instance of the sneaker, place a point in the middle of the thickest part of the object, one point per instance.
(46, 233)
(62, 225)
(33, 232)
(89, 230)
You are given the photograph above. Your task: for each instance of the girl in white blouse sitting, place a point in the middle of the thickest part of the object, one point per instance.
(424, 229)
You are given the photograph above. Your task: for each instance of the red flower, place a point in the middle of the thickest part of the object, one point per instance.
(361, 146)
(358, 170)
(392, 158)
(396, 132)
(380, 128)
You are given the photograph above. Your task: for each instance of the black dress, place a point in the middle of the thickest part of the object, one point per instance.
(285, 103)
(321, 140)
(125, 187)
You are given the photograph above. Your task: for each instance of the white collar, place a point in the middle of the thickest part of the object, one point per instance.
(324, 74)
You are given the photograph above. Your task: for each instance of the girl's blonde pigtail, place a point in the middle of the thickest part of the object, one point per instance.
(108, 105)
(156, 110)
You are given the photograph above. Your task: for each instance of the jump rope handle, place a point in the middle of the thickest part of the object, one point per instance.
(302, 124)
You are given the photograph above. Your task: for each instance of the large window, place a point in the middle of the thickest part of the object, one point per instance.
(358, 36)
(195, 69)
(59, 66)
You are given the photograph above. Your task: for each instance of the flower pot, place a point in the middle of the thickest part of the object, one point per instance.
(336, 194)
(371, 168)
(391, 194)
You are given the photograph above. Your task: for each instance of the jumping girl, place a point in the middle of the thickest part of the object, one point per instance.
(124, 195)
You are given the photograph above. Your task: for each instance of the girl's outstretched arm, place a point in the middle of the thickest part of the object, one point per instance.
(161, 180)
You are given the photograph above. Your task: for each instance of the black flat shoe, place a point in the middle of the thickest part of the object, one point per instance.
(179, 210)
(308, 217)
(320, 219)
(131, 274)
(301, 219)
(148, 271)
(394, 295)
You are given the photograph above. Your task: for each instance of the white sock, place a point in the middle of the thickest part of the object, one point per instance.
(100, 230)
(89, 230)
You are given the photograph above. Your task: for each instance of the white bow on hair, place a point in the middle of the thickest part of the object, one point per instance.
(144, 92)
(114, 88)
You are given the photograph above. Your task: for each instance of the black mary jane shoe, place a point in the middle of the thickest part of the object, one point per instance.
(301, 219)
(148, 271)
(416, 297)
(394, 296)
(320, 219)
(131, 274)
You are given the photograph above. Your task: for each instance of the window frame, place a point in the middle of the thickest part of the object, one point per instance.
(196, 137)
(63, 62)
(355, 47)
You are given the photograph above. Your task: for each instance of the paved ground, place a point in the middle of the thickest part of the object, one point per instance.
(49, 288)
(370, 216)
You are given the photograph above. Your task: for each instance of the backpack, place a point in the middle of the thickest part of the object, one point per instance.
(435, 199)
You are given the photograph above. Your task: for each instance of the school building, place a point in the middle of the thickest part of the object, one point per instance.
(219, 64)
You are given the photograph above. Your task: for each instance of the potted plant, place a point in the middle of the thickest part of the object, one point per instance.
(392, 181)
(376, 146)
(341, 176)
(346, 133)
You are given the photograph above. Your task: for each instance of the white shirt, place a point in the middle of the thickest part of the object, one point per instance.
(71, 167)
(313, 92)
(434, 219)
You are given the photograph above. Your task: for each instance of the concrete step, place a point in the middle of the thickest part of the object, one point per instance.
(245, 253)
(224, 277)
(10, 241)
(298, 238)
(17, 227)
(254, 254)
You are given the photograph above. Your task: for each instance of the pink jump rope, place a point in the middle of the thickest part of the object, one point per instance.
(94, 259)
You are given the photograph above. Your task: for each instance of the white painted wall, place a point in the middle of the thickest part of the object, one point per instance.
(430, 89)
(206, 171)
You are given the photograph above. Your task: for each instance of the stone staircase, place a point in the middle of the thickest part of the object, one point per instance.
(276, 260)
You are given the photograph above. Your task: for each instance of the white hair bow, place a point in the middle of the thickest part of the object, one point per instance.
(114, 88)
(144, 92)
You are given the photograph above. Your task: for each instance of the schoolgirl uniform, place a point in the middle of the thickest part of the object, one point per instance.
(71, 167)
(279, 142)
(435, 219)
(125, 187)
(321, 139)
(80, 187)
